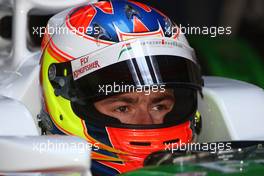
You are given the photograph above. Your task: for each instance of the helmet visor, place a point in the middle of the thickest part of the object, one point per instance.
(125, 67)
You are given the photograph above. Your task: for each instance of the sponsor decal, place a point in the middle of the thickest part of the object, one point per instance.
(162, 43)
(125, 47)
(154, 43)
(137, 48)
(85, 67)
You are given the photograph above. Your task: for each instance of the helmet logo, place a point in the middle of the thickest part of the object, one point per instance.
(125, 47)
(131, 12)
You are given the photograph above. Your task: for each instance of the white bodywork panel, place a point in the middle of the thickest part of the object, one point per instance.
(44, 154)
(16, 119)
(231, 110)
(23, 86)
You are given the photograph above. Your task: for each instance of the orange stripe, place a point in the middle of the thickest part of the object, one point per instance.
(55, 55)
(60, 51)
(45, 41)
(105, 7)
(101, 145)
(102, 157)
(141, 5)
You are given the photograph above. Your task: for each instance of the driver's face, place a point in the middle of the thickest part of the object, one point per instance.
(138, 108)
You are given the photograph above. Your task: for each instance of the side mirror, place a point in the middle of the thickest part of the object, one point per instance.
(44, 154)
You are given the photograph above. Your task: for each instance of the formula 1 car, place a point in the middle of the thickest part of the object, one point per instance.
(231, 110)
(241, 160)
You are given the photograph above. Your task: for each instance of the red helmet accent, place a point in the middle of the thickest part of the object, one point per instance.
(139, 143)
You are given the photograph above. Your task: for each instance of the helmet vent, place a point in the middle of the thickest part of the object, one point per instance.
(140, 143)
(171, 141)
(61, 117)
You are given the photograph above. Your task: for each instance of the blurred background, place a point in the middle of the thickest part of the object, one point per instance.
(239, 55)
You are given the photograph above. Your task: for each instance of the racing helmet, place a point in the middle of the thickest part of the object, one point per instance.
(117, 43)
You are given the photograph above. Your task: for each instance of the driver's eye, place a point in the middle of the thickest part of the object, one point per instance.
(122, 109)
(159, 108)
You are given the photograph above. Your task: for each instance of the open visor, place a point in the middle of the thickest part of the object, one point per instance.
(126, 66)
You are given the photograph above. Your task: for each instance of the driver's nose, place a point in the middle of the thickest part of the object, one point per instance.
(142, 116)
